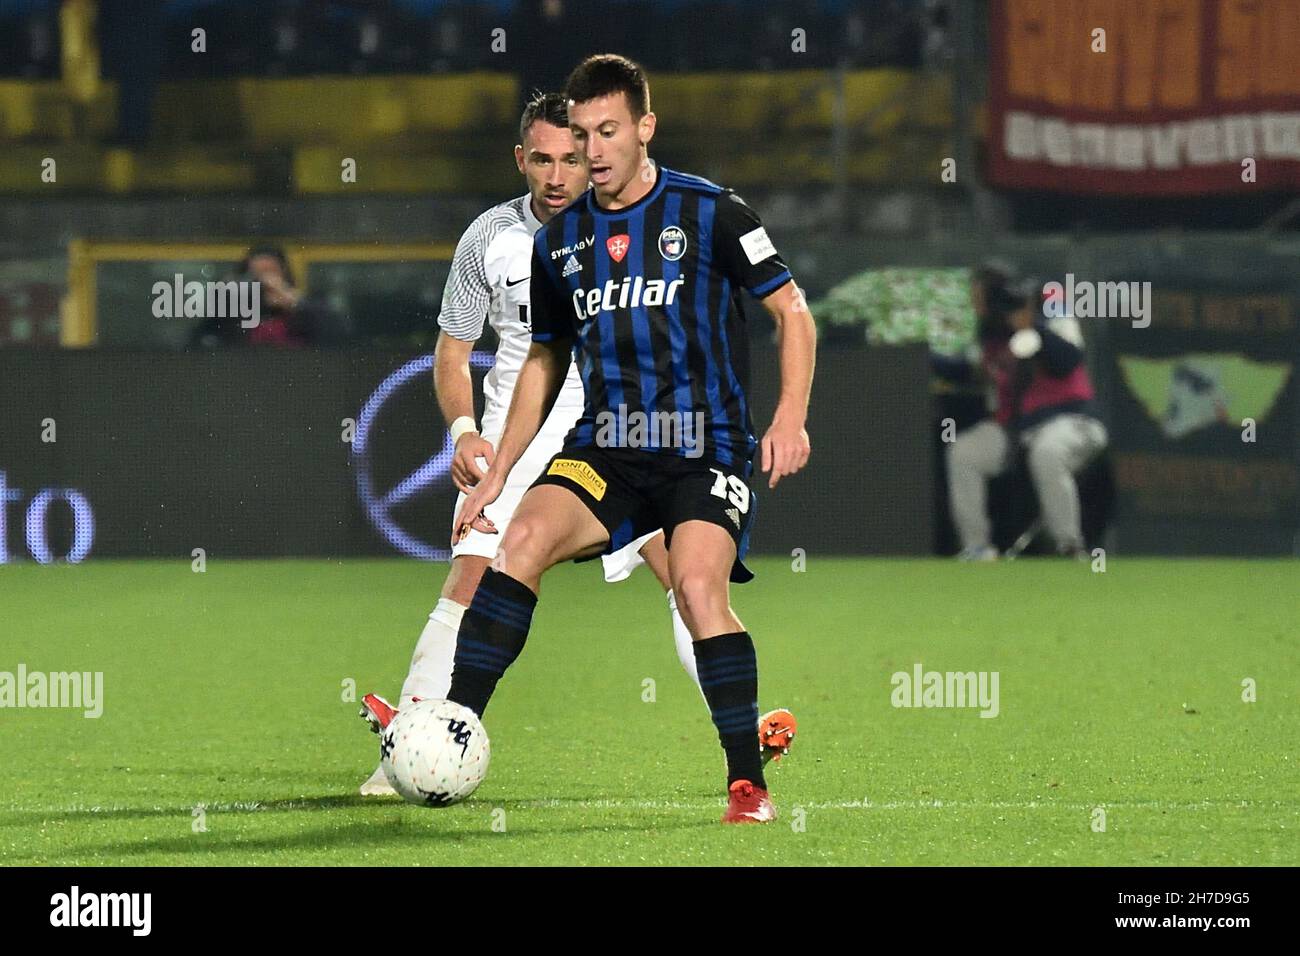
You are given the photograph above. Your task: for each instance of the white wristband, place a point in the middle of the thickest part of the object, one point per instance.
(460, 426)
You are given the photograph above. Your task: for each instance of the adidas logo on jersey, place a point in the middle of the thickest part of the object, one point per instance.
(734, 515)
(572, 266)
(631, 293)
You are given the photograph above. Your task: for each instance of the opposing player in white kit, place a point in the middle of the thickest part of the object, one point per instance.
(489, 279)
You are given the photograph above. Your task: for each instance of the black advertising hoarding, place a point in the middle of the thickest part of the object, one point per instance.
(239, 453)
(266, 453)
(1205, 434)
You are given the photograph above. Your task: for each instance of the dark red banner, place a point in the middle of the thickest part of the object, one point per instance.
(1145, 97)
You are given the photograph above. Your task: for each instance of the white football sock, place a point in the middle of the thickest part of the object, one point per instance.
(430, 675)
(685, 645)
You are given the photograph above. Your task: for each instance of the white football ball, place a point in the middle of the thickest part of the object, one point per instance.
(434, 753)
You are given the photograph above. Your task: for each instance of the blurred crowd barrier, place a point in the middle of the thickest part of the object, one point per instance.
(307, 37)
(451, 134)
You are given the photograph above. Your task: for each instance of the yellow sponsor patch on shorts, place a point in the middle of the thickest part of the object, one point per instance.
(581, 474)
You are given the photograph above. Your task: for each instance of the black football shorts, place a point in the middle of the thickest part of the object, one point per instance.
(633, 492)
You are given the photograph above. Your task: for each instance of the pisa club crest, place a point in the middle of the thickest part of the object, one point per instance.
(617, 246)
(672, 243)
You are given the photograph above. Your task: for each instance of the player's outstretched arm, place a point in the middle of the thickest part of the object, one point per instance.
(454, 389)
(785, 447)
(466, 301)
(538, 386)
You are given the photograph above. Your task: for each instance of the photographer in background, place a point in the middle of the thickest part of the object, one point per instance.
(286, 320)
(1043, 405)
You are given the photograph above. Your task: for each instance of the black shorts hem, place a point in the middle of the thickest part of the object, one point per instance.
(632, 493)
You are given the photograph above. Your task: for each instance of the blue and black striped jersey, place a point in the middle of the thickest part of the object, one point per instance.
(648, 296)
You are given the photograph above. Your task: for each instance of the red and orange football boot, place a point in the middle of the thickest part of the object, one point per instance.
(746, 803)
(377, 712)
(776, 733)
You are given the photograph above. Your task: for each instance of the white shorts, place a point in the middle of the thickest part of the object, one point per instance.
(625, 560)
(544, 447)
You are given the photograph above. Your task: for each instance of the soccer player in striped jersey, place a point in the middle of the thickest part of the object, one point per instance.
(638, 279)
(489, 281)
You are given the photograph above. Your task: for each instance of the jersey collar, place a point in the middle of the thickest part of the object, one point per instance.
(530, 218)
(661, 180)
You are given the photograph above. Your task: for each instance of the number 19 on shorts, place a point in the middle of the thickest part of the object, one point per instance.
(730, 488)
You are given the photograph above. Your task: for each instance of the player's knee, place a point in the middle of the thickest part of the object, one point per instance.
(524, 551)
(699, 596)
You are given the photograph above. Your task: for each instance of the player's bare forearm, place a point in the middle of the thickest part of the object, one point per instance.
(538, 386)
(455, 391)
(452, 383)
(796, 338)
(785, 447)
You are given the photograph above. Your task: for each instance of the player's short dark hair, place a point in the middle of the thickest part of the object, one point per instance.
(608, 73)
(547, 107)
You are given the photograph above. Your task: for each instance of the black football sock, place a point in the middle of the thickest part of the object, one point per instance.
(729, 676)
(492, 633)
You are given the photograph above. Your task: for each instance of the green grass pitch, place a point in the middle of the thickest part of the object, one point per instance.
(226, 737)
